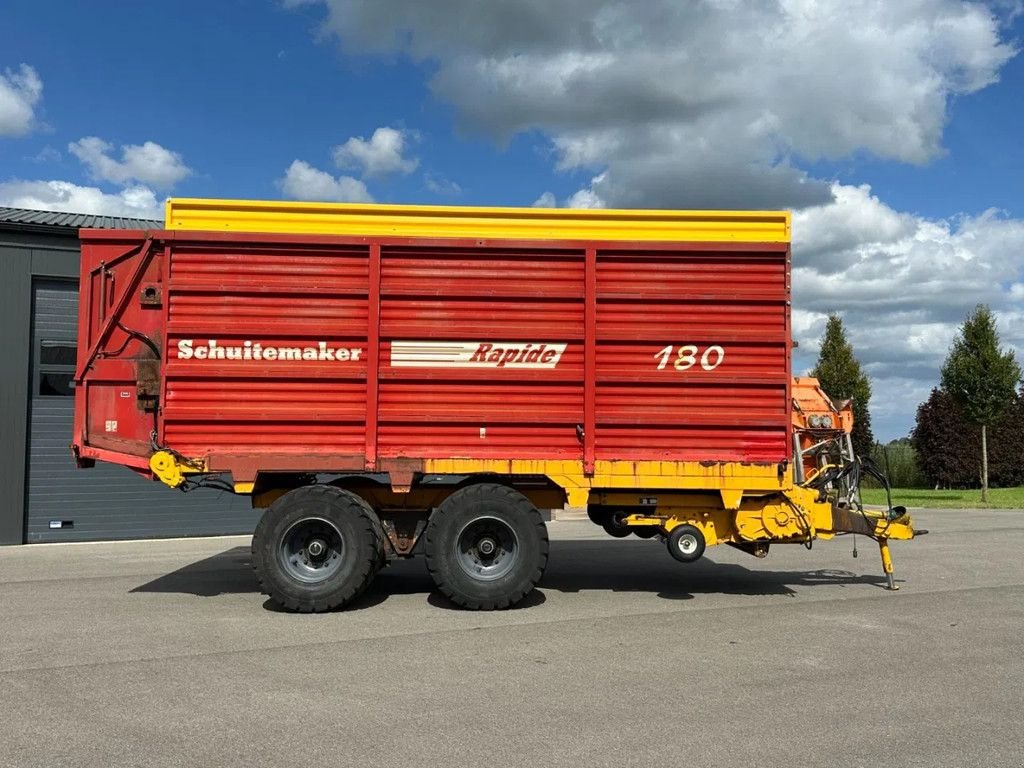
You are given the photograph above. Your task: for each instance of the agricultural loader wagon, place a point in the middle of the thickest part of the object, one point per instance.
(397, 380)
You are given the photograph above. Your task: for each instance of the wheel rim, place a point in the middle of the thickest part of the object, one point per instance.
(687, 543)
(312, 550)
(486, 548)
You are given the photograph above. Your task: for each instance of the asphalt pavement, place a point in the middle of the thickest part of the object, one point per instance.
(162, 653)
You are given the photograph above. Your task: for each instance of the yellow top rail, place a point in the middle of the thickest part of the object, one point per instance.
(468, 222)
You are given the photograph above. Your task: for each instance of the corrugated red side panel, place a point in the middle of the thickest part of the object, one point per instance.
(282, 297)
(692, 354)
(492, 296)
(483, 349)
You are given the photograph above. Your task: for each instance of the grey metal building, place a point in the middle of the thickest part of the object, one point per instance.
(43, 495)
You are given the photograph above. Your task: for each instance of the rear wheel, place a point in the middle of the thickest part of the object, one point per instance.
(317, 548)
(486, 547)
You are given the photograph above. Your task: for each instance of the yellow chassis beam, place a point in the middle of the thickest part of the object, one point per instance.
(791, 516)
(725, 477)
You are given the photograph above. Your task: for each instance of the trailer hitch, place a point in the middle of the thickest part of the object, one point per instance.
(170, 467)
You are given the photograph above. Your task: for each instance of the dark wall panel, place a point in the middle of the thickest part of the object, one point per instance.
(15, 331)
(51, 262)
(65, 503)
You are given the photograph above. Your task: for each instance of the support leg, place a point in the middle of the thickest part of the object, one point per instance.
(883, 547)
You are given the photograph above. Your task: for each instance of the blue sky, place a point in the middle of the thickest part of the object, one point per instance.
(240, 90)
(892, 130)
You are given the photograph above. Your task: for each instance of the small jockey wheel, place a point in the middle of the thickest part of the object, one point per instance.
(686, 543)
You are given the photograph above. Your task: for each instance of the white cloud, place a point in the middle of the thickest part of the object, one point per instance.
(137, 201)
(584, 198)
(696, 104)
(382, 154)
(148, 163)
(903, 285)
(20, 92)
(302, 181)
(830, 235)
(139, 170)
(439, 185)
(581, 198)
(588, 197)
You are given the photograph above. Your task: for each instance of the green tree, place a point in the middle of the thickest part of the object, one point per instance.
(900, 462)
(1006, 449)
(981, 377)
(842, 379)
(948, 445)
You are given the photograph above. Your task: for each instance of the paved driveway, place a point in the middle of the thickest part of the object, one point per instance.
(162, 653)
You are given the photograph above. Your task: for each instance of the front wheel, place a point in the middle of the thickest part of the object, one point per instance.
(686, 543)
(486, 547)
(317, 548)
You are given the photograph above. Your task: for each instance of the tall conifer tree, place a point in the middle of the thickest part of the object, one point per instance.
(981, 377)
(841, 377)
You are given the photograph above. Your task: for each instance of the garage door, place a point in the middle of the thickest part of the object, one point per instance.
(65, 503)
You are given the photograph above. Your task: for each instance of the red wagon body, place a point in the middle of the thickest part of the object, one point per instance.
(263, 352)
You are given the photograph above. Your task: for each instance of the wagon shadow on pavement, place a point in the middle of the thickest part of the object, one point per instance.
(573, 566)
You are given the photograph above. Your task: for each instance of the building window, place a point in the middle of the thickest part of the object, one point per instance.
(56, 368)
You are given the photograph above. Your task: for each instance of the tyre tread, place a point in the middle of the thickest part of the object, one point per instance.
(480, 492)
(367, 569)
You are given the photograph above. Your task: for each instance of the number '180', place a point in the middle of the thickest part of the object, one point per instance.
(688, 355)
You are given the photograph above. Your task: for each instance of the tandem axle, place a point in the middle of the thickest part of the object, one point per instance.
(319, 544)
